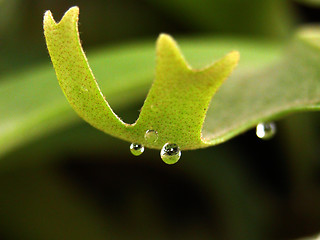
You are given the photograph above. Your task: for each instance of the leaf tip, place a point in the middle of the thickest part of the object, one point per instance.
(164, 37)
(168, 52)
(165, 41)
(72, 12)
(233, 58)
(71, 15)
(235, 55)
(48, 19)
(224, 66)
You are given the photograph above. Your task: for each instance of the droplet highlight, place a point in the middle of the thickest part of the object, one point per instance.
(266, 131)
(170, 153)
(136, 149)
(151, 136)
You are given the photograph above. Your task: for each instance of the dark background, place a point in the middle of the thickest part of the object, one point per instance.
(81, 184)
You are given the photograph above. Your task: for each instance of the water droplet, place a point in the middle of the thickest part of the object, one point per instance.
(151, 136)
(266, 130)
(136, 149)
(170, 153)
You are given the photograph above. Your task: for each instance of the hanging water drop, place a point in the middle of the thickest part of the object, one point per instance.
(136, 149)
(170, 153)
(266, 130)
(151, 136)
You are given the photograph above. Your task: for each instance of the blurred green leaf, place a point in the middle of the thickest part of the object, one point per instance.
(289, 85)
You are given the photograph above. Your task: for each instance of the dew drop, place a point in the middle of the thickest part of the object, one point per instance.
(136, 149)
(266, 130)
(170, 153)
(151, 136)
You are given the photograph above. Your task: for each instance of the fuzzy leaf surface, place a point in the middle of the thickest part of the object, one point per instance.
(176, 104)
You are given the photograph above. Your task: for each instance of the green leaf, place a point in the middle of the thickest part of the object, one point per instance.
(290, 85)
(31, 104)
(176, 104)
